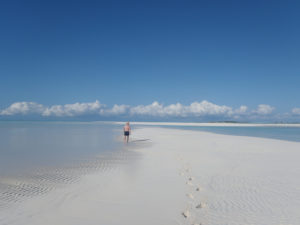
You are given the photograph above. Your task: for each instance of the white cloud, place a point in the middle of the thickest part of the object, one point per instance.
(75, 109)
(242, 110)
(175, 110)
(22, 108)
(207, 108)
(296, 111)
(155, 109)
(115, 110)
(263, 109)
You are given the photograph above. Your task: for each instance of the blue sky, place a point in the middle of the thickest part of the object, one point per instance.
(133, 53)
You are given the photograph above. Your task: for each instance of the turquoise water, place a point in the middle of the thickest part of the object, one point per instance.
(281, 133)
(30, 145)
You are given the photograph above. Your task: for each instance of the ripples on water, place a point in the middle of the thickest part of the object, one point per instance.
(38, 157)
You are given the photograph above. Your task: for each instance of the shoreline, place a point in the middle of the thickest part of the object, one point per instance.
(179, 177)
(217, 124)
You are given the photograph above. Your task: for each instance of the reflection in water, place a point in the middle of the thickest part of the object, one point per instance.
(38, 157)
(28, 145)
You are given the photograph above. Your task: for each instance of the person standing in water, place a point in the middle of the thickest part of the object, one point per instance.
(127, 131)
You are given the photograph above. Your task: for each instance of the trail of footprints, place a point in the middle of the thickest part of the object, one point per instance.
(193, 204)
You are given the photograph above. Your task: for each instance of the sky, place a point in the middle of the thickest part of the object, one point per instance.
(150, 60)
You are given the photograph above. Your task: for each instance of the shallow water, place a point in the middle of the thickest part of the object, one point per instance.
(29, 145)
(37, 157)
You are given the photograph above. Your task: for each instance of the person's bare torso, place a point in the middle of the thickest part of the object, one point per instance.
(126, 128)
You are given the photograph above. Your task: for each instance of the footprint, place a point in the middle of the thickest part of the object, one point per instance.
(191, 178)
(190, 196)
(189, 183)
(201, 205)
(186, 214)
(198, 189)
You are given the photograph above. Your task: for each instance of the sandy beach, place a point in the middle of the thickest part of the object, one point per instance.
(169, 176)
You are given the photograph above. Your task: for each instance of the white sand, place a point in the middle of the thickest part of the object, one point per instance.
(178, 177)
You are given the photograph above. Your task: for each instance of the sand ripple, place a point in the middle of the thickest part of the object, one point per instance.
(251, 200)
(41, 181)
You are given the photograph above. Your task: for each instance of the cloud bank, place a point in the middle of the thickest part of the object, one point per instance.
(203, 109)
(195, 109)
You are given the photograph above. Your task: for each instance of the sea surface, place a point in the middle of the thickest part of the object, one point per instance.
(38, 157)
(29, 145)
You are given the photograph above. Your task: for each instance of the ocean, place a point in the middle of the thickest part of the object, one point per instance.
(25, 146)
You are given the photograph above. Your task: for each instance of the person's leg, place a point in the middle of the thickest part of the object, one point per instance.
(127, 138)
